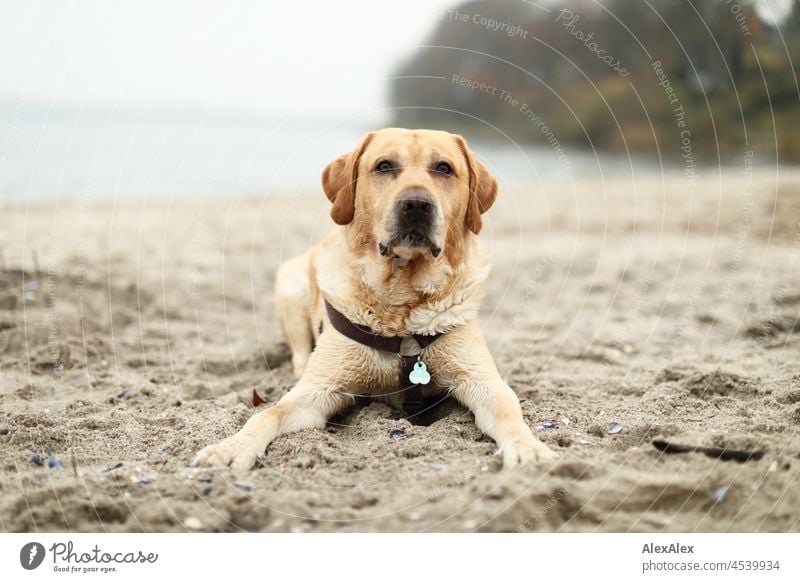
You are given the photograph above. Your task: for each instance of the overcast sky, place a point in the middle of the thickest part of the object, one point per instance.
(272, 57)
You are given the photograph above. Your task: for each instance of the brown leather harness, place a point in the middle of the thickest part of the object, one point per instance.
(413, 396)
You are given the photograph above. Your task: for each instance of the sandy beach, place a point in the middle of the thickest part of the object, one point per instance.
(621, 311)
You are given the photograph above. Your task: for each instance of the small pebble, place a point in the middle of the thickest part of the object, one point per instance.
(436, 467)
(124, 394)
(565, 421)
(205, 478)
(399, 433)
(112, 468)
(144, 480)
(244, 487)
(719, 494)
(54, 462)
(36, 459)
(615, 428)
(206, 492)
(547, 425)
(162, 451)
(4, 431)
(498, 493)
(193, 523)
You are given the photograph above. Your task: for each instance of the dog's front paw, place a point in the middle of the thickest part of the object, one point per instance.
(232, 452)
(523, 449)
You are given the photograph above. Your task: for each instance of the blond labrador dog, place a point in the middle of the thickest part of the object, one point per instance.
(404, 262)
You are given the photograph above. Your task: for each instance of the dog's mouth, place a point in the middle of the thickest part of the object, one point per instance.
(409, 244)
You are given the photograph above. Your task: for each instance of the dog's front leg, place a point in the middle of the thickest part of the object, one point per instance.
(307, 405)
(462, 361)
(499, 415)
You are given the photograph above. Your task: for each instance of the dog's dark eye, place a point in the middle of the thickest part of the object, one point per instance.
(384, 166)
(444, 168)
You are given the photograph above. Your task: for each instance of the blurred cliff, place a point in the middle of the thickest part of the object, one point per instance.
(617, 75)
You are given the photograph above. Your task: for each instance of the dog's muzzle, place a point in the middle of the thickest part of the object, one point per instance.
(414, 222)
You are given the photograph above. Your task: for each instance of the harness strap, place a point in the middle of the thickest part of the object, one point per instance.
(413, 396)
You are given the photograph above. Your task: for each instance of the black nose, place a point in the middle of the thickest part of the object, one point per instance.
(415, 204)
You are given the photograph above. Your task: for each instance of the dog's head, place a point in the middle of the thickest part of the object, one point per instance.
(410, 193)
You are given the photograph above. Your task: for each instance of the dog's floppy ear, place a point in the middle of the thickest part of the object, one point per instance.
(339, 182)
(482, 188)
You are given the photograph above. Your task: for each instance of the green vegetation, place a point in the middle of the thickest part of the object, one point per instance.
(619, 75)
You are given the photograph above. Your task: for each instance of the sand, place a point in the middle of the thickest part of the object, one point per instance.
(133, 334)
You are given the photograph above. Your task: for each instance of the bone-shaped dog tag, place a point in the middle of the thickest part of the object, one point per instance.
(419, 375)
